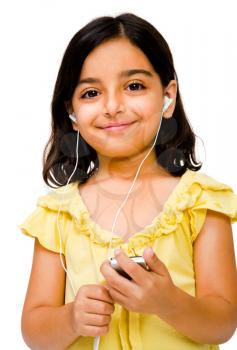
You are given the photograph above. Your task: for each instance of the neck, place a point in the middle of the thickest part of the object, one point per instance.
(125, 169)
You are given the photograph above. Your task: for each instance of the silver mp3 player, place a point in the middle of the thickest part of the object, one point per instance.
(137, 259)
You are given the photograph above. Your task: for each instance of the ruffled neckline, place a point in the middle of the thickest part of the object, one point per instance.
(165, 222)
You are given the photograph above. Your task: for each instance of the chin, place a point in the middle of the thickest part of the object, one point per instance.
(119, 153)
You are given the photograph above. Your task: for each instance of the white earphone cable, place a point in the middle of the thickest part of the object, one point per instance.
(58, 226)
(97, 339)
(130, 190)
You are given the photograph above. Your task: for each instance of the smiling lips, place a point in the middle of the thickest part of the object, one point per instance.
(117, 126)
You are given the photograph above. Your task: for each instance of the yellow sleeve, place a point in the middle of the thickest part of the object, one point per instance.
(42, 224)
(212, 195)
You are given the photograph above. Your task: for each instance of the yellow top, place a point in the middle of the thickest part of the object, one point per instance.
(171, 234)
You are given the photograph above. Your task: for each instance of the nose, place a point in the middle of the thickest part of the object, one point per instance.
(113, 104)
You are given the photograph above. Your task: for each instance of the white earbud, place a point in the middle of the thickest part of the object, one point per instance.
(73, 117)
(167, 103)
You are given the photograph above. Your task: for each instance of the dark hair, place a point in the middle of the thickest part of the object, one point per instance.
(175, 147)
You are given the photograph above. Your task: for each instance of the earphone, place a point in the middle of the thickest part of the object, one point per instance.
(73, 117)
(166, 104)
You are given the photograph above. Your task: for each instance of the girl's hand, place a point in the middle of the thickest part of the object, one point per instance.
(148, 291)
(91, 310)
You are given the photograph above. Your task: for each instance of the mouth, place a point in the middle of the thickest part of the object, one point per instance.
(117, 126)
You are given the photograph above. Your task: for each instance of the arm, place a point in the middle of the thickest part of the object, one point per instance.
(211, 316)
(46, 322)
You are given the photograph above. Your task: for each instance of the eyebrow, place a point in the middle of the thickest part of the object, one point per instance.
(123, 74)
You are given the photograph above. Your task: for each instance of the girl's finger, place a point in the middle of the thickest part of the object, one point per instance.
(98, 292)
(136, 272)
(98, 307)
(97, 320)
(115, 280)
(118, 297)
(154, 263)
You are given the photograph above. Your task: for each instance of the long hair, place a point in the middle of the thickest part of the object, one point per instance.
(175, 146)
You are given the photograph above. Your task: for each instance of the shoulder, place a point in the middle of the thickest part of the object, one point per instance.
(59, 197)
(203, 193)
(198, 184)
(54, 210)
(207, 189)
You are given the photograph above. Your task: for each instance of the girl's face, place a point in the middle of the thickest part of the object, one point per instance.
(118, 101)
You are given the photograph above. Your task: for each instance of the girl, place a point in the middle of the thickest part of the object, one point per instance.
(135, 157)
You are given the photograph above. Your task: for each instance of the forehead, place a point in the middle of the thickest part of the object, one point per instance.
(114, 56)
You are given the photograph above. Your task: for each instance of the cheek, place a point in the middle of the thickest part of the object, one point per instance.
(86, 114)
(148, 112)
(144, 108)
(86, 110)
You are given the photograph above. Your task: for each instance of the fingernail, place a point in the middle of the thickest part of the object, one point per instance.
(117, 251)
(150, 251)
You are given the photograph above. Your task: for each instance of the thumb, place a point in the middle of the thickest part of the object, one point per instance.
(154, 263)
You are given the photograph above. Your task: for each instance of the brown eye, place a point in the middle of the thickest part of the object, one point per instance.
(136, 86)
(90, 94)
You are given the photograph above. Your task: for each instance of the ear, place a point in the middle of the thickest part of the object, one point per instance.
(74, 125)
(69, 109)
(171, 91)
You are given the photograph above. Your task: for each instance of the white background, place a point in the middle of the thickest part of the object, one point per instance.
(34, 34)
